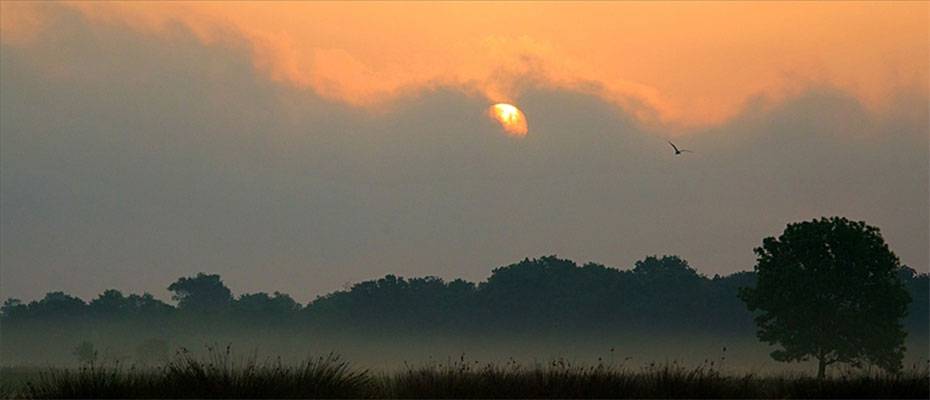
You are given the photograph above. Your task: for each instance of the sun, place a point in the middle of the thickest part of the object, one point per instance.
(510, 117)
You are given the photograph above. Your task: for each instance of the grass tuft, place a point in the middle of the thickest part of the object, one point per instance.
(215, 376)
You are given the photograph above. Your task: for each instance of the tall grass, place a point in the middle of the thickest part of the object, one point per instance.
(563, 379)
(218, 375)
(215, 376)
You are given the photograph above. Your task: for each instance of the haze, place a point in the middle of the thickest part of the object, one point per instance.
(301, 149)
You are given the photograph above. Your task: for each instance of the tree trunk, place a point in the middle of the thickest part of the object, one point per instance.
(821, 368)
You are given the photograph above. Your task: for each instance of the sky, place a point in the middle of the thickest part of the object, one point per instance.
(303, 147)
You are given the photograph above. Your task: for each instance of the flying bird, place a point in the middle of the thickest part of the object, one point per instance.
(677, 151)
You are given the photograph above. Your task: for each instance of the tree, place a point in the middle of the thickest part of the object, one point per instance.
(13, 309)
(58, 305)
(261, 308)
(202, 293)
(829, 289)
(670, 293)
(148, 306)
(110, 303)
(667, 268)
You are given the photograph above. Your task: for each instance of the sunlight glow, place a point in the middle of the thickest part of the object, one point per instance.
(510, 117)
(682, 66)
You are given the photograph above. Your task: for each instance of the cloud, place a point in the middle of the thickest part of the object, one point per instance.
(677, 65)
(127, 161)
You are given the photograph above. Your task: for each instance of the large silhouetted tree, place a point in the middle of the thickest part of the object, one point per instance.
(828, 289)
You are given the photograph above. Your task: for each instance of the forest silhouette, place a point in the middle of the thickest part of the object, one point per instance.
(547, 294)
(828, 290)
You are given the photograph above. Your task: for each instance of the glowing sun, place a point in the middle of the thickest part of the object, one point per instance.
(511, 118)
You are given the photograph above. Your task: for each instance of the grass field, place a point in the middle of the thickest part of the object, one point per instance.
(218, 376)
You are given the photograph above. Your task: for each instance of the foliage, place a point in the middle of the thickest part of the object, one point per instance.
(533, 296)
(202, 293)
(830, 289)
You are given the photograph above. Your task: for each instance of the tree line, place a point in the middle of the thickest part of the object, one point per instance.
(827, 289)
(533, 295)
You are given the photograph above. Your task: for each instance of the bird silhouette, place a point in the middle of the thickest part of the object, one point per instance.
(677, 150)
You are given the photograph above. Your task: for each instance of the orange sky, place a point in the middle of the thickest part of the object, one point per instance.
(687, 65)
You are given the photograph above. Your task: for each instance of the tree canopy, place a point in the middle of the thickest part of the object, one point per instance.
(830, 289)
(203, 293)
